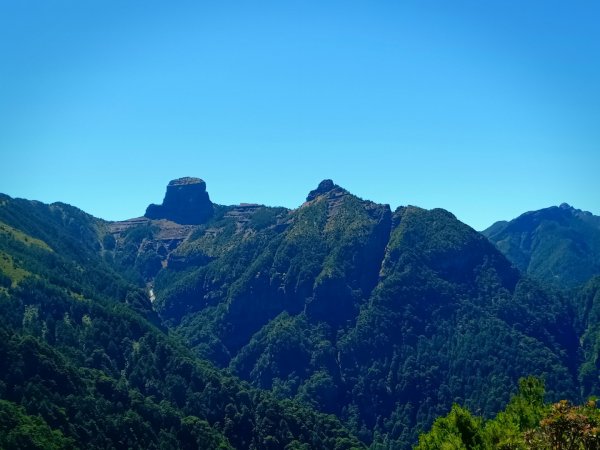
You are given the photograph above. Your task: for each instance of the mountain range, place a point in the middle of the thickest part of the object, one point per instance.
(338, 324)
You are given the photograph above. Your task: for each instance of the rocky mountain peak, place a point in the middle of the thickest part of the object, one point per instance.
(324, 187)
(186, 202)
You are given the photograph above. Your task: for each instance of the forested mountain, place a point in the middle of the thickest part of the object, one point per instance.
(382, 318)
(559, 245)
(82, 365)
(528, 422)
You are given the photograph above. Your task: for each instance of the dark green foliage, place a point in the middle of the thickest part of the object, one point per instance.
(458, 430)
(80, 367)
(322, 256)
(135, 256)
(5, 280)
(587, 303)
(19, 431)
(265, 217)
(559, 245)
(384, 321)
(108, 242)
(527, 423)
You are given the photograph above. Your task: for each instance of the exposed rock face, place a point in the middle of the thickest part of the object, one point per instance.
(324, 187)
(186, 202)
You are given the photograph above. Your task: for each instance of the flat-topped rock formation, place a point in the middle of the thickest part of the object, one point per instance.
(186, 202)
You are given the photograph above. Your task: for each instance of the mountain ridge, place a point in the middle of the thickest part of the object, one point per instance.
(559, 244)
(85, 362)
(383, 318)
(365, 286)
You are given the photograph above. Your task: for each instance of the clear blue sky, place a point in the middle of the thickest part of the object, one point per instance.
(485, 108)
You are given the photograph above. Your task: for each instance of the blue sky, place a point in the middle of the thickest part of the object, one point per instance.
(485, 108)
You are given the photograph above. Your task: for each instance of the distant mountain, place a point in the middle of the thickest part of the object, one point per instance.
(559, 245)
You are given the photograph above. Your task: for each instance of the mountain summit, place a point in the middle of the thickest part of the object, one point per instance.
(560, 244)
(185, 202)
(323, 188)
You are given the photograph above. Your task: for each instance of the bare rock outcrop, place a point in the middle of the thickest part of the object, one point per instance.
(186, 202)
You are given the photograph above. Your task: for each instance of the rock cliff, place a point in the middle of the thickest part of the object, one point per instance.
(186, 202)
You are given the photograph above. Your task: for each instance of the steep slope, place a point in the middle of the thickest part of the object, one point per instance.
(450, 321)
(321, 259)
(587, 303)
(559, 245)
(186, 202)
(382, 319)
(80, 367)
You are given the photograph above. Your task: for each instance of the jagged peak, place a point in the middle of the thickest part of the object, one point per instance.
(323, 188)
(565, 206)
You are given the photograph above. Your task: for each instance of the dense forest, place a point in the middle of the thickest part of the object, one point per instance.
(559, 245)
(84, 362)
(340, 324)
